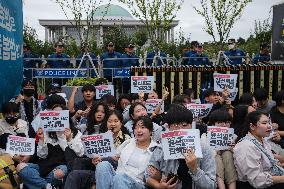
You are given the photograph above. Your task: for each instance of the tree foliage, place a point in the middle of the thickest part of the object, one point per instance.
(220, 17)
(157, 15)
(82, 12)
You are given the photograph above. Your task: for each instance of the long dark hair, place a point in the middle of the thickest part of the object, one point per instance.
(91, 119)
(239, 116)
(252, 118)
(104, 128)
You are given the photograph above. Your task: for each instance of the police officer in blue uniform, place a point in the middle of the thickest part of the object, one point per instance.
(188, 54)
(129, 58)
(263, 56)
(58, 59)
(110, 59)
(199, 58)
(157, 53)
(30, 61)
(234, 55)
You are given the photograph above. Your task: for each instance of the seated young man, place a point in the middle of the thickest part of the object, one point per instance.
(191, 172)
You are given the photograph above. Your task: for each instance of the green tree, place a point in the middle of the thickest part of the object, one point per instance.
(82, 12)
(157, 15)
(220, 17)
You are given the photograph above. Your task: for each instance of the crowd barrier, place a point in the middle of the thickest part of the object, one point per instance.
(177, 77)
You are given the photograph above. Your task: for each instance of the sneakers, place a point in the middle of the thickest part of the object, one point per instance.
(49, 186)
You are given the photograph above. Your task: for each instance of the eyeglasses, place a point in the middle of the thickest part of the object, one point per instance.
(110, 45)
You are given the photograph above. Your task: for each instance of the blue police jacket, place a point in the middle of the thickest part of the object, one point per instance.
(187, 56)
(84, 64)
(110, 63)
(235, 56)
(129, 60)
(150, 57)
(62, 61)
(28, 73)
(261, 58)
(199, 60)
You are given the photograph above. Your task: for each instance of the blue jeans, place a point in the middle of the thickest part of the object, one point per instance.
(32, 179)
(107, 178)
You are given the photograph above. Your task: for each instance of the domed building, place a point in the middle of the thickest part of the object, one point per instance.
(105, 16)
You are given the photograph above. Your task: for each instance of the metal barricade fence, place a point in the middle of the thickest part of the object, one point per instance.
(179, 77)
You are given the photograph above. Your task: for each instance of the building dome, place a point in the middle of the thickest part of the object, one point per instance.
(111, 12)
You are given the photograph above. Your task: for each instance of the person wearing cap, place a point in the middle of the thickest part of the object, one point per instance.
(234, 54)
(159, 55)
(58, 59)
(188, 54)
(129, 58)
(263, 56)
(30, 60)
(198, 58)
(29, 106)
(110, 59)
(54, 88)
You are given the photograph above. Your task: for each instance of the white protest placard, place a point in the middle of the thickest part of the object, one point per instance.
(176, 143)
(220, 138)
(20, 145)
(151, 105)
(233, 94)
(142, 84)
(101, 90)
(54, 120)
(223, 81)
(98, 145)
(200, 110)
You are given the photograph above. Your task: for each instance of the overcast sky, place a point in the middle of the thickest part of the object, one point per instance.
(190, 23)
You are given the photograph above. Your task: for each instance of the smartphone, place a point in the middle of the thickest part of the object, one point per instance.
(170, 176)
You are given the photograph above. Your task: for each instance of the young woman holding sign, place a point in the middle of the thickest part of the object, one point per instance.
(133, 156)
(254, 160)
(226, 171)
(86, 178)
(51, 167)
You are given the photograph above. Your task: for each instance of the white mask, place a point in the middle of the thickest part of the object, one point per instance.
(231, 46)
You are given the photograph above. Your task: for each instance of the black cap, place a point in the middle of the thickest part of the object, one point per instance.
(130, 46)
(25, 45)
(199, 45)
(231, 41)
(55, 86)
(59, 43)
(110, 44)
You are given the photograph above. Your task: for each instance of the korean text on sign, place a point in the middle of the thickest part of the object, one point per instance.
(54, 120)
(20, 145)
(98, 145)
(223, 81)
(151, 105)
(200, 110)
(176, 143)
(220, 138)
(104, 89)
(142, 84)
